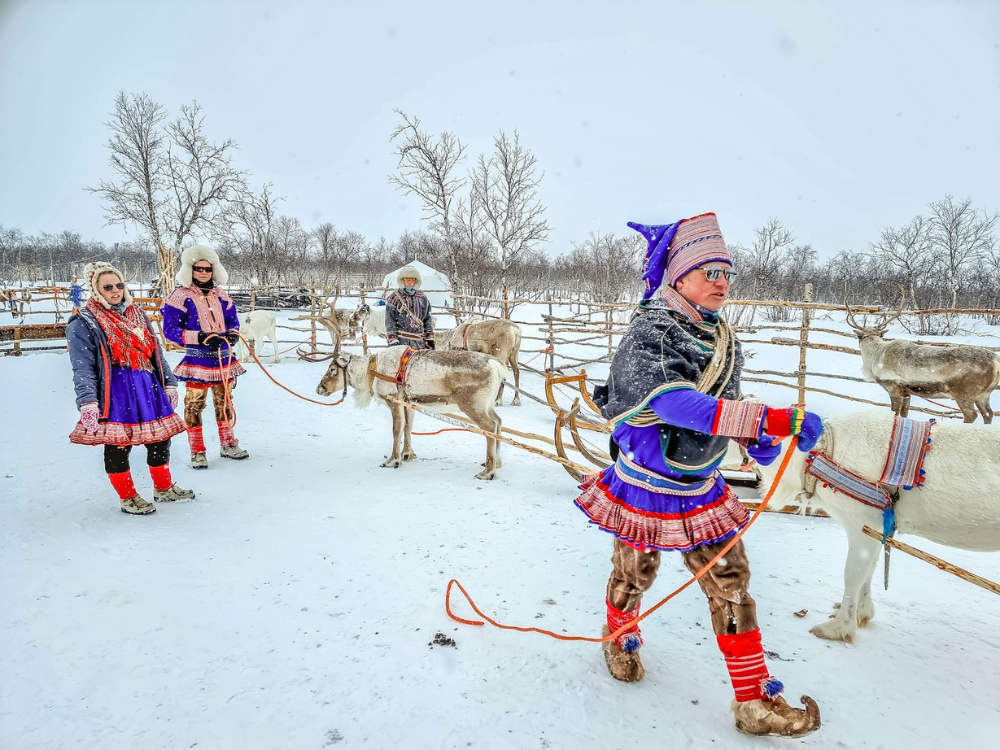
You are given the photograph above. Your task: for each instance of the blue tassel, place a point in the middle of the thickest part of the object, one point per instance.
(888, 523)
(632, 643)
(771, 688)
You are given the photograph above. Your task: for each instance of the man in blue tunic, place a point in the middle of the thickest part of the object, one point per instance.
(673, 394)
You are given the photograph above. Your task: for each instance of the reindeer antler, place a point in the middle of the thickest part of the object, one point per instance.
(883, 325)
(850, 314)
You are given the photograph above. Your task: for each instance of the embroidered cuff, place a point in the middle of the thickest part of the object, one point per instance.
(738, 419)
(190, 337)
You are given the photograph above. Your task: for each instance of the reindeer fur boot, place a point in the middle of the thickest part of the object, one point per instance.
(622, 654)
(759, 708)
(623, 665)
(776, 718)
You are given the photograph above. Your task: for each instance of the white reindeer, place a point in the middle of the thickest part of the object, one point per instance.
(255, 326)
(436, 381)
(967, 374)
(958, 506)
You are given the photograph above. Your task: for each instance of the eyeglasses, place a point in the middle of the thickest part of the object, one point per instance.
(109, 287)
(714, 273)
(202, 269)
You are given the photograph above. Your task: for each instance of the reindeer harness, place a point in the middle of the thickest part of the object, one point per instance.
(903, 469)
(400, 377)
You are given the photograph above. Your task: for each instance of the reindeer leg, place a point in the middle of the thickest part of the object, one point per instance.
(516, 367)
(277, 357)
(968, 411)
(408, 452)
(983, 402)
(488, 420)
(904, 408)
(862, 556)
(398, 423)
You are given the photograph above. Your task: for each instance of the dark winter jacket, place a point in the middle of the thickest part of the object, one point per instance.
(408, 320)
(90, 356)
(663, 350)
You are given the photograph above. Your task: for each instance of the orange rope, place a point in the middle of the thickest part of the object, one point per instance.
(271, 378)
(651, 610)
(227, 391)
(446, 429)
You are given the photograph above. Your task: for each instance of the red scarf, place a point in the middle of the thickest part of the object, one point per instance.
(131, 342)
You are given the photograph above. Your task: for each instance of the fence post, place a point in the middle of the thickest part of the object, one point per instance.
(803, 343)
(552, 341)
(312, 319)
(607, 315)
(364, 336)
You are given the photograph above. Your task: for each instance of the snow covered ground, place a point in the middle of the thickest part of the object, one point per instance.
(293, 603)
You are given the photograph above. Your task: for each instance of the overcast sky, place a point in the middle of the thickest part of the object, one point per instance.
(836, 117)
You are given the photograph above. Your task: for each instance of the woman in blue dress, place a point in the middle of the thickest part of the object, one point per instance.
(125, 390)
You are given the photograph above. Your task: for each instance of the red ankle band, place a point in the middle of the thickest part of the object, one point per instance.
(161, 477)
(196, 439)
(123, 484)
(744, 655)
(630, 639)
(226, 436)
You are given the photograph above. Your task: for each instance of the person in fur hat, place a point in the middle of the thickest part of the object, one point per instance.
(408, 313)
(125, 390)
(673, 394)
(201, 317)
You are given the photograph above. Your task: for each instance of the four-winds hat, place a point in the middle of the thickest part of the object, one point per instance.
(677, 249)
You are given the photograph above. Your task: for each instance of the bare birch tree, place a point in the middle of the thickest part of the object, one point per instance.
(247, 230)
(962, 235)
(505, 187)
(172, 181)
(908, 250)
(427, 169)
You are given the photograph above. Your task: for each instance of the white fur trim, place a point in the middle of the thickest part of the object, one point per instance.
(201, 252)
(408, 272)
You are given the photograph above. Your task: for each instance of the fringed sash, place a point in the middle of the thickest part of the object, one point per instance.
(904, 463)
(909, 443)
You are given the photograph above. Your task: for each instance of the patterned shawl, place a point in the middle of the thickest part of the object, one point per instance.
(130, 341)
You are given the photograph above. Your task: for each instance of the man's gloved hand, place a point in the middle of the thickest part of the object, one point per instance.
(232, 337)
(795, 421)
(430, 343)
(765, 450)
(88, 416)
(172, 396)
(210, 338)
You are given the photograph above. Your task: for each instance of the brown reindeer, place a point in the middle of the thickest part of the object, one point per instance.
(498, 338)
(437, 381)
(966, 374)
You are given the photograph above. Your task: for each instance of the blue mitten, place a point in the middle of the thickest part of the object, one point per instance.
(810, 432)
(765, 450)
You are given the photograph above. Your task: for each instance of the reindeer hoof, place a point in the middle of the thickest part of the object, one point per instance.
(516, 401)
(487, 475)
(392, 463)
(409, 456)
(832, 631)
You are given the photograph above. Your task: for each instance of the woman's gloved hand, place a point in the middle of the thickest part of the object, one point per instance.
(172, 396)
(232, 337)
(88, 417)
(794, 421)
(765, 450)
(210, 338)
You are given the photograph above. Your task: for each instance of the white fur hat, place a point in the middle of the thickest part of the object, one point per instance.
(201, 252)
(92, 273)
(408, 272)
